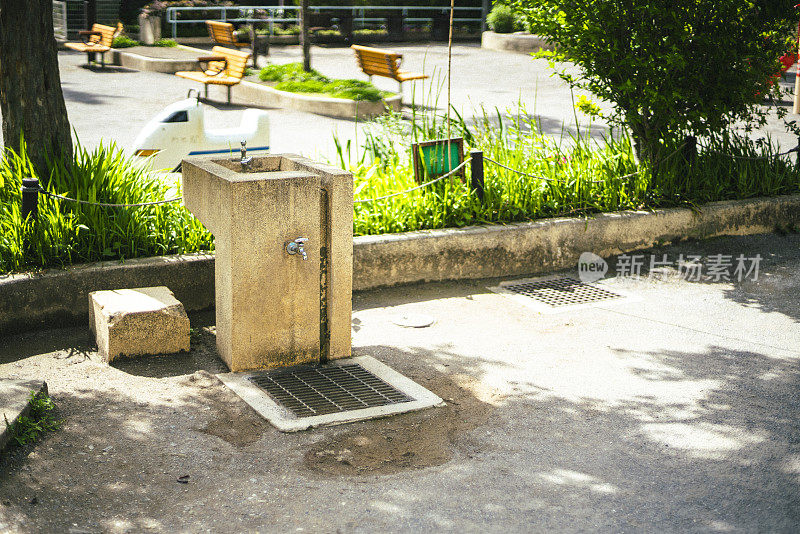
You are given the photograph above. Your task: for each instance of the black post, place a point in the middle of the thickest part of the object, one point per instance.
(476, 180)
(30, 198)
(394, 26)
(441, 26)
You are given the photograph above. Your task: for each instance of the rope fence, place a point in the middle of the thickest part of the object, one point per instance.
(31, 188)
(543, 178)
(426, 184)
(106, 204)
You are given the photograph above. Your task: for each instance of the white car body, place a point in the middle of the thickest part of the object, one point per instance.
(179, 130)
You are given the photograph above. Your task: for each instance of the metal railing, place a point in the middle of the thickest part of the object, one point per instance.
(290, 14)
(60, 20)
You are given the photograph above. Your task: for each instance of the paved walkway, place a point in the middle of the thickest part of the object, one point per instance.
(114, 104)
(675, 413)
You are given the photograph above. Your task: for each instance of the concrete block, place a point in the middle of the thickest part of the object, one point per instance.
(274, 309)
(134, 322)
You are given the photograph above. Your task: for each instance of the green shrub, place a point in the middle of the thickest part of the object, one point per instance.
(501, 19)
(123, 41)
(673, 69)
(67, 233)
(165, 43)
(277, 30)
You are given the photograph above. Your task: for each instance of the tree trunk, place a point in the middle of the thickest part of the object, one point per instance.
(304, 37)
(31, 100)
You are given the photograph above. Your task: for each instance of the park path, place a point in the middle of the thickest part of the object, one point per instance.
(676, 412)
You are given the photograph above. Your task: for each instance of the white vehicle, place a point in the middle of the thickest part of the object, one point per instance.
(179, 130)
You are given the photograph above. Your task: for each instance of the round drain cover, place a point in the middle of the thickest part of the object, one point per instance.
(413, 320)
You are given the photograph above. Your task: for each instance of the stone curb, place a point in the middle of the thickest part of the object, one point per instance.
(151, 64)
(15, 403)
(331, 107)
(520, 42)
(57, 297)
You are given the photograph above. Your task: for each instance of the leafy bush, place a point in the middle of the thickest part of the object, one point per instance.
(165, 43)
(673, 69)
(123, 41)
(289, 30)
(501, 19)
(292, 78)
(68, 233)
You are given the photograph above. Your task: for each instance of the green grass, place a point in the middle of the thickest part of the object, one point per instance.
(165, 43)
(123, 41)
(292, 78)
(29, 428)
(68, 233)
(582, 175)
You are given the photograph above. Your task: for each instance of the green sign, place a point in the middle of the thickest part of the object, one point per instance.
(432, 159)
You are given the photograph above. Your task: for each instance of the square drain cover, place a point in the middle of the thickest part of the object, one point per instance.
(307, 391)
(556, 294)
(341, 391)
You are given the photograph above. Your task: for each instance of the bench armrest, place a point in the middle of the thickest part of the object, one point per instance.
(209, 59)
(86, 36)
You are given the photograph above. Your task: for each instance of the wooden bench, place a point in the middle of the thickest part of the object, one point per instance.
(378, 62)
(224, 67)
(222, 33)
(96, 41)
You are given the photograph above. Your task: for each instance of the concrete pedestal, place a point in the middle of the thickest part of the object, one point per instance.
(274, 309)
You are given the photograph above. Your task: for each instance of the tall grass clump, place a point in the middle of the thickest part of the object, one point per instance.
(67, 233)
(573, 174)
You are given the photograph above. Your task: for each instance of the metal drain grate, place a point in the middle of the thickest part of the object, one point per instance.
(309, 391)
(559, 292)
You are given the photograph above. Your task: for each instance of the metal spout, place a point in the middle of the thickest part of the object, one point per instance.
(245, 161)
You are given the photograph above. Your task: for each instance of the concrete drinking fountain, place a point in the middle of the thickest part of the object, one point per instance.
(284, 256)
(283, 229)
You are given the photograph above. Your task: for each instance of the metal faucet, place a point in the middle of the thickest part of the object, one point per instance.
(297, 247)
(245, 161)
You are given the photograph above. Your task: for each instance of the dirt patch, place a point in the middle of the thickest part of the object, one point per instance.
(233, 420)
(410, 441)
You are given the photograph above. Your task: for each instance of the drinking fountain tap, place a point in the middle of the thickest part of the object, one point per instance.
(297, 247)
(245, 161)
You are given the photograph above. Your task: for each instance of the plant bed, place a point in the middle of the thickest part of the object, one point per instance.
(287, 86)
(55, 297)
(290, 77)
(310, 102)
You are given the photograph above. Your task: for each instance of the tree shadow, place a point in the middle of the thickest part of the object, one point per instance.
(108, 69)
(777, 286)
(91, 98)
(666, 441)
